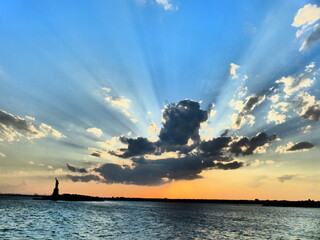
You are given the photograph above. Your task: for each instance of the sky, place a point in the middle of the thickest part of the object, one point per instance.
(161, 98)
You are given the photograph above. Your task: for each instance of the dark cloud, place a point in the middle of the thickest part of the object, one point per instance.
(156, 172)
(225, 133)
(312, 113)
(301, 146)
(246, 146)
(83, 178)
(72, 168)
(17, 123)
(214, 146)
(95, 154)
(151, 172)
(313, 37)
(307, 107)
(229, 166)
(214, 154)
(182, 122)
(136, 147)
(252, 101)
(287, 177)
(14, 128)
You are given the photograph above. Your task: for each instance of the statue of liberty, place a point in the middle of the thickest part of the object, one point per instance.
(56, 189)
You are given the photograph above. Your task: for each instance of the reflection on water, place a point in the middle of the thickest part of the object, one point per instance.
(29, 219)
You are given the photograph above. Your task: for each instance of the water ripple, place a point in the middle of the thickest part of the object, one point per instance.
(29, 219)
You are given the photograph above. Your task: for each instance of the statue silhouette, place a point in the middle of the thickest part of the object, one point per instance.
(56, 189)
(57, 183)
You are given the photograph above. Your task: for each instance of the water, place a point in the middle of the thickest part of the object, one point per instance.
(24, 218)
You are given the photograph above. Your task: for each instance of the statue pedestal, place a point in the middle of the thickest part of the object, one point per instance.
(55, 192)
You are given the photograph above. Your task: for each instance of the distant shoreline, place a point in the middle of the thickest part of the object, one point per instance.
(75, 197)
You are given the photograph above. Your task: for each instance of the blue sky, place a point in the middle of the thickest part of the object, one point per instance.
(112, 66)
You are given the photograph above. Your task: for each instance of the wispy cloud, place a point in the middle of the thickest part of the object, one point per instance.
(167, 5)
(245, 108)
(14, 128)
(95, 131)
(72, 168)
(305, 19)
(288, 177)
(233, 70)
(307, 106)
(121, 103)
(295, 147)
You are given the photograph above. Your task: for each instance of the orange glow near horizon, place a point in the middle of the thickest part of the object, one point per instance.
(214, 185)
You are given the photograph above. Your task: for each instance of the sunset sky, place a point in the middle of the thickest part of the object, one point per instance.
(161, 98)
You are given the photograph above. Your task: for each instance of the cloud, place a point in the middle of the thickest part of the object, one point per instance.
(244, 111)
(247, 146)
(161, 171)
(96, 154)
(113, 143)
(295, 147)
(72, 168)
(306, 19)
(58, 171)
(312, 113)
(134, 120)
(275, 98)
(287, 177)
(252, 102)
(83, 178)
(30, 118)
(153, 128)
(95, 131)
(313, 37)
(136, 147)
(274, 116)
(291, 88)
(178, 153)
(154, 168)
(233, 70)
(294, 83)
(45, 130)
(258, 162)
(309, 14)
(301, 146)
(307, 106)
(306, 129)
(2, 155)
(182, 122)
(120, 103)
(165, 3)
(14, 128)
(106, 89)
(228, 166)
(215, 146)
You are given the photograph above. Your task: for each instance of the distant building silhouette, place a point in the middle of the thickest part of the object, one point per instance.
(56, 189)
